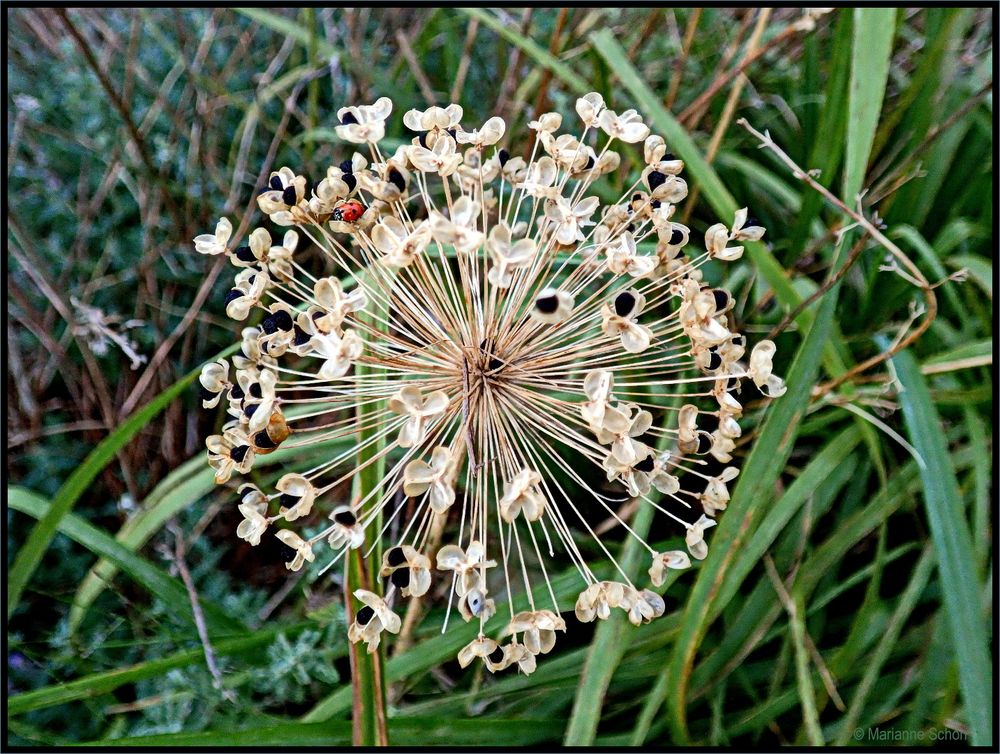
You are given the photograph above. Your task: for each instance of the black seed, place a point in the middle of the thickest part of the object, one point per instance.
(205, 393)
(288, 500)
(547, 304)
(245, 254)
(704, 444)
(452, 132)
(351, 181)
(307, 187)
(590, 162)
(655, 180)
(636, 197)
(283, 320)
(655, 204)
(495, 364)
(738, 340)
(286, 552)
(503, 155)
(734, 382)
(400, 577)
(752, 222)
(423, 139)
(348, 119)
(233, 295)
(624, 304)
(496, 656)
(236, 393)
(669, 157)
(289, 196)
(365, 615)
(275, 183)
(263, 440)
(264, 190)
(347, 167)
(721, 299)
(631, 227)
(317, 315)
(345, 518)
(255, 390)
(396, 178)
(676, 236)
(249, 410)
(269, 325)
(301, 336)
(646, 464)
(395, 557)
(239, 453)
(714, 360)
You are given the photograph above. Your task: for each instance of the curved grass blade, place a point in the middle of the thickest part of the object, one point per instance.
(154, 580)
(961, 588)
(31, 552)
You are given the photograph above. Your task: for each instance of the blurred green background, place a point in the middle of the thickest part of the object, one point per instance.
(848, 588)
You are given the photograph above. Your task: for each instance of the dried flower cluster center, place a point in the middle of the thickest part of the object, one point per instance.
(508, 344)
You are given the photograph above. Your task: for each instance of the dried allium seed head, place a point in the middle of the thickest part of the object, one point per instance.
(501, 339)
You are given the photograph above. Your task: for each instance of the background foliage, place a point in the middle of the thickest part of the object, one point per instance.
(850, 584)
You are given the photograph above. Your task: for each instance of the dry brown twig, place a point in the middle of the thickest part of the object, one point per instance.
(908, 270)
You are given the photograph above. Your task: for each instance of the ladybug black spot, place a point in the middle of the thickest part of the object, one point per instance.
(547, 304)
(348, 119)
(289, 196)
(239, 453)
(245, 254)
(400, 577)
(396, 178)
(395, 557)
(365, 615)
(345, 518)
(624, 304)
(646, 464)
(655, 180)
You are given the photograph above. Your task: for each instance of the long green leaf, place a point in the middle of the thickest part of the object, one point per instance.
(168, 589)
(953, 548)
(538, 53)
(30, 553)
(874, 29)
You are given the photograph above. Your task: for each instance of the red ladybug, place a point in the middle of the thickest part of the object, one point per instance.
(348, 211)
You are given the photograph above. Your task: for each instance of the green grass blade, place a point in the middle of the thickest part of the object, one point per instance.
(749, 499)
(166, 588)
(105, 682)
(874, 661)
(803, 675)
(874, 29)
(606, 650)
(535, 51)
(30, 553)
(953, 548)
